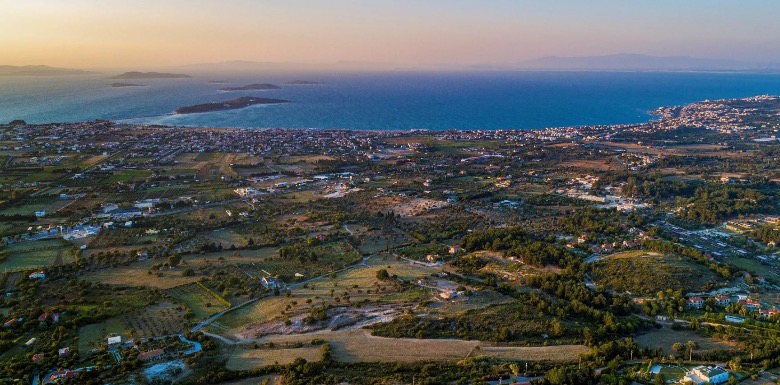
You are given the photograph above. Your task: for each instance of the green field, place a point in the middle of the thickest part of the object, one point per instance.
(201, 302)
(128, 175)
(30, 255)
(754, 267)
(95, 335)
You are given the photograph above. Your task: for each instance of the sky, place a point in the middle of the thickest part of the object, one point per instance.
(410, 33)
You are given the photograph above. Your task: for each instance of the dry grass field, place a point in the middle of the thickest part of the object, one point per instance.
(360, 346)
(664, 338)
(138, 273)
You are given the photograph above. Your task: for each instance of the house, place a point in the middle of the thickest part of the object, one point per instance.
(768, 313)
(116, 340)
(448, 294)
(11, 322)
(38, 357)
(37, 275)
(64, 352)
(701, 375)
(151, 355)
(455, 249)
(60, 375)
(55, 317)
(695, 303)
(40, 214)
(722, 300)
(751, 304)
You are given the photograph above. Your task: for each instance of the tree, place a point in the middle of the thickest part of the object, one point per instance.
(515, 370)
(678, 347)
(382, 274)
(659, 379)
(691, 345)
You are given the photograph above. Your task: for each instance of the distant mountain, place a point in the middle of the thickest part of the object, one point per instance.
(150, 75)
(39, 70)
(636, 62)
(253, 66)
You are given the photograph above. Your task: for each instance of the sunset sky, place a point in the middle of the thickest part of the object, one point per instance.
(130, 33)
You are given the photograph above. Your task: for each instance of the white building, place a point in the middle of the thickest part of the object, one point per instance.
(701, 375)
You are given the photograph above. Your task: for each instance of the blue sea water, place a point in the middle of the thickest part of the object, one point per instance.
(379, 101)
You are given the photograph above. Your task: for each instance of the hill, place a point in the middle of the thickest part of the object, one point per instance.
(636, 62)
(150, 75)
(39, 70)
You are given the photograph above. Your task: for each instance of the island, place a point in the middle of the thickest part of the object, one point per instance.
(244, 101)
(150, 75)
(252, 87)
(217, 81)
(303, 83)
(118, 85)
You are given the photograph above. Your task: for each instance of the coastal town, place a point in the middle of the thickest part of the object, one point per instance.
(638, 253)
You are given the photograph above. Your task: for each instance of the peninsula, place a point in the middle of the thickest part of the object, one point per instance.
(252, 87)
(303, 83)
(119, 85)
(244, 101)
(150, 75)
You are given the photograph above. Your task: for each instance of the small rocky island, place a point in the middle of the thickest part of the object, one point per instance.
(244, 101)
(117, 85)
(252, 87)
(150, 75)
(303, 82)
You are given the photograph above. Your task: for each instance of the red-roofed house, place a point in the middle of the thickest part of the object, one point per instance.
(723, 300)
(37, 357)
(62, 374)
(152, 355)
(695, 303)
(751, 304)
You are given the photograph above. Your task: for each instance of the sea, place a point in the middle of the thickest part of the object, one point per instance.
(400, 100)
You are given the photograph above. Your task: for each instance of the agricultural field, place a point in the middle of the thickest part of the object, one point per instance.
(201, 301)
(165, 318)
(31, 255)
